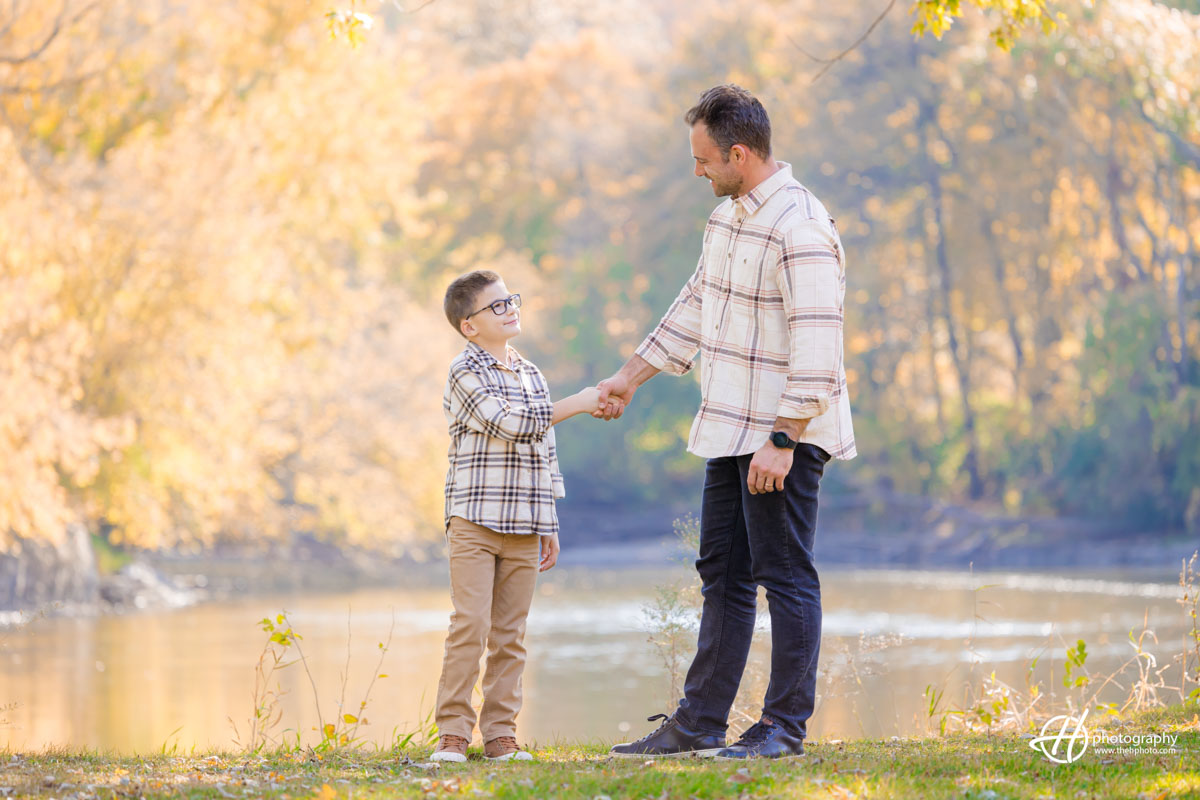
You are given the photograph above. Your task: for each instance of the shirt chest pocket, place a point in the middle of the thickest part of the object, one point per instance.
(756, 302)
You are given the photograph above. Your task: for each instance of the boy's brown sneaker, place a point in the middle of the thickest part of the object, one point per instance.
(451, 748)
(504, 748)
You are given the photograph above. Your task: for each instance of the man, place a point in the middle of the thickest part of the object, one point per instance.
(765, 310)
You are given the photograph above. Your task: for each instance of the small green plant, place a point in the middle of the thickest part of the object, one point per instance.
(1076, 659)
(1189, 600)
(672, 614)
(425, 735)
(174, 746)
(267, 708)
(341, 731)
(933, 697)
(995, 703)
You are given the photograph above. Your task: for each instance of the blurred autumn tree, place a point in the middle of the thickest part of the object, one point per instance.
(225, 236)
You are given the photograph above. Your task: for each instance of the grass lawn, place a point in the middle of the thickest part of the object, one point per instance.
(956, 766)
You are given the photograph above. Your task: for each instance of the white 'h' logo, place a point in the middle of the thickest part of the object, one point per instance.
(1077, 736)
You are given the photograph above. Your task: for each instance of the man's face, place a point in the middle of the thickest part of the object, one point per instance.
(724, 174)
(488, 325)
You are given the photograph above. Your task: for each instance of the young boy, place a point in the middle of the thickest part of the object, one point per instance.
(501, 525)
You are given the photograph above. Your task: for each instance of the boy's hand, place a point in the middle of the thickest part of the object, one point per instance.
(549, 552)
(589, 399)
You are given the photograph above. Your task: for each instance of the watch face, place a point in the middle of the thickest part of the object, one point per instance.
(779, 439)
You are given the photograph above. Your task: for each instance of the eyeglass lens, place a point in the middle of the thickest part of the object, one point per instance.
(501, 306)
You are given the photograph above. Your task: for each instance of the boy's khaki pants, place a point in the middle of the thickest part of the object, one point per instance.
(492, 578)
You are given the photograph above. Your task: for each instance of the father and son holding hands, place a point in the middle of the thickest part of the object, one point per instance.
(764, 309)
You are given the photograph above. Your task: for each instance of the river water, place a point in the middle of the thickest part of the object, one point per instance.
(183, 678)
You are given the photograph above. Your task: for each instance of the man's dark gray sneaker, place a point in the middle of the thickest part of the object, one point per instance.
(671, 740)
(764, 739)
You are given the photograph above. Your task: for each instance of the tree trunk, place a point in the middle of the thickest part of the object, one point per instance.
(1010, 317)
(936, 238)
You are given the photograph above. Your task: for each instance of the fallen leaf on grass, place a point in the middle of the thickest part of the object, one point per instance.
(741, 776)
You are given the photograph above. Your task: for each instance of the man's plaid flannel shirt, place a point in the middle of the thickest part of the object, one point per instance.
(765, 310)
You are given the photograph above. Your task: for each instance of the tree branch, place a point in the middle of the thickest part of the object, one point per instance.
(19, 88)
(50, 37)
(1183, 147)
(12, 18)
(829, 62)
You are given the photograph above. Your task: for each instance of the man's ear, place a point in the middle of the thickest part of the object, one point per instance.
(738, 153)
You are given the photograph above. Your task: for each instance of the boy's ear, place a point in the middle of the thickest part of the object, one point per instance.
(468, 330)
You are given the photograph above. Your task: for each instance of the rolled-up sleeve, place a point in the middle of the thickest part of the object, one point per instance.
(672, 345)
(812, 281)
(474, 406)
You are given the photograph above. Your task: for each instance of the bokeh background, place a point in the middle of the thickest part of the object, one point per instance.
(226, 227)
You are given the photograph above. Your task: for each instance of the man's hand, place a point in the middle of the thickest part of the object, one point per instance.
(615, 394)
(549, 557)
(768, 468)
(617, 391)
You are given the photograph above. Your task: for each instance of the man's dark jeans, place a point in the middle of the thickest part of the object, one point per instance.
(750, 540)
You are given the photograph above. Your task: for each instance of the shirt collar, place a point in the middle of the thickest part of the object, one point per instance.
(754, 199)
(485, 359)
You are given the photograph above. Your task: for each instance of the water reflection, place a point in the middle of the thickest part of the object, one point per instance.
(137, 683)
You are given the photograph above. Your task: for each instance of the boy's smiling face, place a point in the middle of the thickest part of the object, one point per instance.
(487, 327)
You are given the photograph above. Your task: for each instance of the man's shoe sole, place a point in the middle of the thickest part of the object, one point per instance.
(759, 758)
(709, 753)
(453, 758)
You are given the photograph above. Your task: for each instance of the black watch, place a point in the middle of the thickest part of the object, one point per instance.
(780, 439)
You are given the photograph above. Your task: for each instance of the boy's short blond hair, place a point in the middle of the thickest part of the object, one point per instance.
(462, 293)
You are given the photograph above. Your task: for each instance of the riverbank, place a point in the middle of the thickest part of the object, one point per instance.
(880, 528)
(855, 529)
(955, 766)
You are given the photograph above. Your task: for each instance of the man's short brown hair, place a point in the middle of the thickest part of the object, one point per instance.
(733, 116)
(462, 293)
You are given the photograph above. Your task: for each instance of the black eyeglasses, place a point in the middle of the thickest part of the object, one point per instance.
(500, 307)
